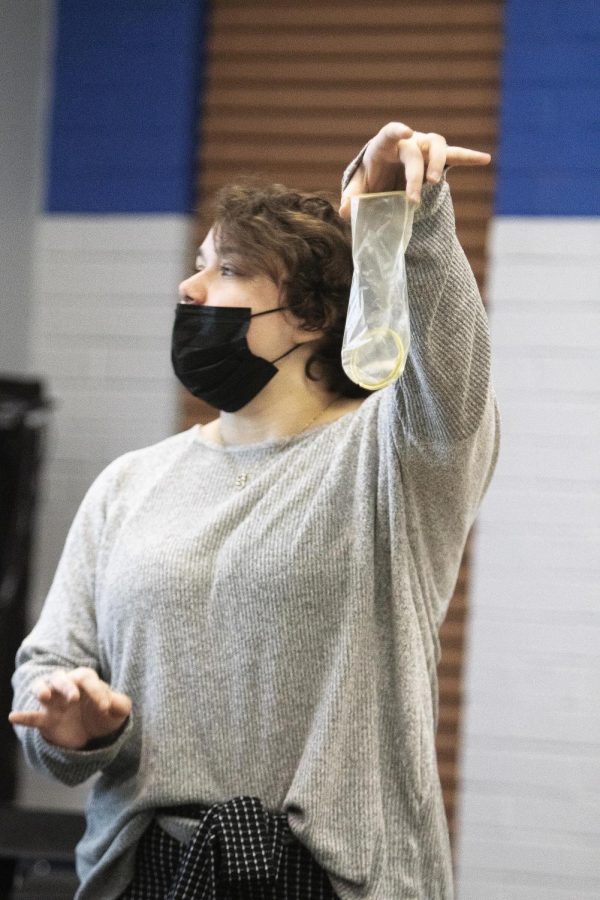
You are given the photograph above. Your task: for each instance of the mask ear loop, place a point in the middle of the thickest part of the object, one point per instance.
(287, 352)
(264, 313)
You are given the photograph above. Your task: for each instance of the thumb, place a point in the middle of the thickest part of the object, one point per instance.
(354, 189)
(120, 704)
(345, 207)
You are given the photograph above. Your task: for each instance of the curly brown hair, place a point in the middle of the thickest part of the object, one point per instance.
(301, 242)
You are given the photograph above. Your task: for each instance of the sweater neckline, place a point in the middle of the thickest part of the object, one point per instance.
(270, 443)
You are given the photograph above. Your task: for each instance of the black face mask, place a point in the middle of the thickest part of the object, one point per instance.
(211, 357)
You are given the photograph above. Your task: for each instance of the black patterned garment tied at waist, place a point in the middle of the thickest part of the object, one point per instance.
(239, 851)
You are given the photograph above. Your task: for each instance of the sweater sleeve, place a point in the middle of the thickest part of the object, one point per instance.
(440, 418)
(442, 411)
(65, 637)
(445, 387)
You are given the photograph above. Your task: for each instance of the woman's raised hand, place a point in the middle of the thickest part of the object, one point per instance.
(76, 706)
(399, 158)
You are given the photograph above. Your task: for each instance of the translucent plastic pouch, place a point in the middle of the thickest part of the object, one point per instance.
(377, 334)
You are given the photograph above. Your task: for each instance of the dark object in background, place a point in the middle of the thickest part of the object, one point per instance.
(23, 416)
(36, 846)
(36, 854)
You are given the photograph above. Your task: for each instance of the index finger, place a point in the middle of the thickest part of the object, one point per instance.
(28, 718)
(462, 156)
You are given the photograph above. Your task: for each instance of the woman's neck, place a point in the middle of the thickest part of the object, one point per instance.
(277, 413)
(288, 404)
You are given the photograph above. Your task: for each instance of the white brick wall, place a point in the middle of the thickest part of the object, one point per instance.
(105, 290)
(100, 329)
(529, 804)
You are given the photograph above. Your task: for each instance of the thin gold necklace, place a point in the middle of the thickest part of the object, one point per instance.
(242, 478)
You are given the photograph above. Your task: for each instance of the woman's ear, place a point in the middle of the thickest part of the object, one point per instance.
(306, 334)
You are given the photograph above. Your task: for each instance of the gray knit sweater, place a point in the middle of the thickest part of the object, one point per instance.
(282, 641)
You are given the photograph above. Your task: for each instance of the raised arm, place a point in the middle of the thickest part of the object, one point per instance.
(445, 386)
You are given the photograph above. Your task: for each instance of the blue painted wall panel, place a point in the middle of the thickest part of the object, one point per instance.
(550, 109)
(553, 62)
(537, 19)
(126, 106)
(571, 195)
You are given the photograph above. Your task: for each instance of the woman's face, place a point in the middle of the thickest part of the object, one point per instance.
(220, 282)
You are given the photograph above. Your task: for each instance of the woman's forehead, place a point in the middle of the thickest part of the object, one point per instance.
(207, 247)
(212, 245)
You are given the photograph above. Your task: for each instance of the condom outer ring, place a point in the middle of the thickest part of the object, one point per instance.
(397, 369)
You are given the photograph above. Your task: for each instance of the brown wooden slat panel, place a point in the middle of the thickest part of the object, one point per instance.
(477, 180)
(450, 688)
(462, 580)
(313, 174)
(479, 272)
(254, 153)
(287, 124)
(449, 718)
(451, 633)
(448, 772)
(400, 16)
(385, 100)
(445, 746)
(459, 607)
(473, 246)
(382, 71)
(451, 697)
(448, 794)
(450, 664)
(257, 42)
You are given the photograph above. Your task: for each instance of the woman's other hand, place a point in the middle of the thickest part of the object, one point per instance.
(76, 707)
(398, 159)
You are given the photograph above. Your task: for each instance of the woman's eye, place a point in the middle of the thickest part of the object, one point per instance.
(228, 270)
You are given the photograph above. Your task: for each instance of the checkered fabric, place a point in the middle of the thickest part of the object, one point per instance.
(239, 851)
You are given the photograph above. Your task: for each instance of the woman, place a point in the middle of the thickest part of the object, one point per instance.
(241, 636)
